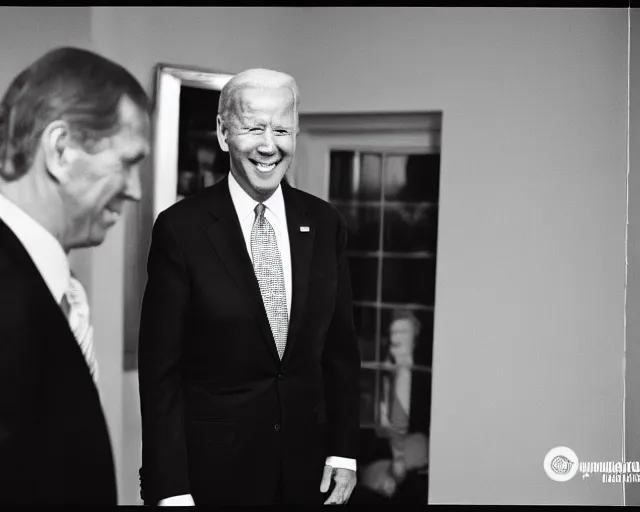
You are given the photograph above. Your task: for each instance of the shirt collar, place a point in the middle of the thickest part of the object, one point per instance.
(43, 248)
(245, 204)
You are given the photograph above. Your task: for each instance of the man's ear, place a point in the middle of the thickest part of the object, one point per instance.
(58, 150)
(222, 134)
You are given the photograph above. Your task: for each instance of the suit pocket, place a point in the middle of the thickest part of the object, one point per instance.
(212, 433)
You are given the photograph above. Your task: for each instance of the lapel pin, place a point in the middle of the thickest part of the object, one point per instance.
(304, 229)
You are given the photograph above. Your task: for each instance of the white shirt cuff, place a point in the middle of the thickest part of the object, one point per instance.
(184, 500)
(187, 500)
(341, 462)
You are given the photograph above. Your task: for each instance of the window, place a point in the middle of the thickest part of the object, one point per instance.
(382, 172)
(389, 200)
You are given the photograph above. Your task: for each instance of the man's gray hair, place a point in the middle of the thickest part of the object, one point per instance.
(255, 78)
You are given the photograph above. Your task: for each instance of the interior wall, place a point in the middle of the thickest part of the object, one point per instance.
(528, 341)
(632, 402)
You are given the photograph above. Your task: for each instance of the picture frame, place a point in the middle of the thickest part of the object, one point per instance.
(182, 151)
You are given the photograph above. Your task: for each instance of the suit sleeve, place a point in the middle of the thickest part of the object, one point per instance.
(341, 363)
(164, 307)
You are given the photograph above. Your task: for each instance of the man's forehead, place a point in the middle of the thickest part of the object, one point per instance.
(132, 117)
(252, 99)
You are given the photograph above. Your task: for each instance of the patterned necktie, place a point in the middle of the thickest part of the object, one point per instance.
(268, 269)
(76, 308)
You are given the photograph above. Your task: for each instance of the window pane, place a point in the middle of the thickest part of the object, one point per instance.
(367, 397)
(364, 278)
(369, 181)
(410, 227)
(363, 223)
(406, 280)
(365, 322)
(341, 175)
(412, 178)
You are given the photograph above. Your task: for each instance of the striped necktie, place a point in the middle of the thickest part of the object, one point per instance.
(75, 306)
(267, 265)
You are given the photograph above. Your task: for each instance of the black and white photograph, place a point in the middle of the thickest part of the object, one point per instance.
(320, 255)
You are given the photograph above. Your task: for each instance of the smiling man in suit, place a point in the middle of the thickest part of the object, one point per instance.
(248, 360)
(73, 129)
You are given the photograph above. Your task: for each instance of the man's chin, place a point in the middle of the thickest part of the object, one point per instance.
(93, 240)
(265, 186)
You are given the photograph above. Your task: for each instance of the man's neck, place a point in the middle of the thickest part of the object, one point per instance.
(34, 197)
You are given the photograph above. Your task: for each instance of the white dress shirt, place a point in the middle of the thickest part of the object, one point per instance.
(43, 248)
(275, 213)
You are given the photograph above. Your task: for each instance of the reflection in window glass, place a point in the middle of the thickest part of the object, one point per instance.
(363, 223)
(413, 178)
(368, 183)
(410, 227)
(408, 281)
(367, 397)
(341, 175)
(413, 326)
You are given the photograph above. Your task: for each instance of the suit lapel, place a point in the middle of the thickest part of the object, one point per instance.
(301, 243)
(225, 234)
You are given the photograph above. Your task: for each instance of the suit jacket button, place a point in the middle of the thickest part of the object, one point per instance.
(276, 427)
(280, 377)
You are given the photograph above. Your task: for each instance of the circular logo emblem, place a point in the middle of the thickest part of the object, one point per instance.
(561, 464)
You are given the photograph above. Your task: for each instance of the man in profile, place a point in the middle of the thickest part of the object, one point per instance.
(248, 359)
(73, 131)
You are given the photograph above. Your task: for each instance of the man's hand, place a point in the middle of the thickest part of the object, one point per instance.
(345, 480)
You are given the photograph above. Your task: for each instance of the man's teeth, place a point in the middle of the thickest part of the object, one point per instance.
(265, 168)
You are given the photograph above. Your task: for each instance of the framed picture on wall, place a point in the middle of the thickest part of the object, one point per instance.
(188, 157)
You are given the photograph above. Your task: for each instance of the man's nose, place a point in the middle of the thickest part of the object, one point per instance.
(267, 143)
(133, 189)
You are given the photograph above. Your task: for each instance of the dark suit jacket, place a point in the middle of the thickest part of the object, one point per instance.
(222, 417)
(54, 442)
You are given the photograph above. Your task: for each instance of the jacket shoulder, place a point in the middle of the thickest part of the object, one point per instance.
(318, 207)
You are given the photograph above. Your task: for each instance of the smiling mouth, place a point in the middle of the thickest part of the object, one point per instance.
(265, 167)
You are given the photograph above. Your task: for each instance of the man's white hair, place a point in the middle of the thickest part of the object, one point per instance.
(256, 78)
